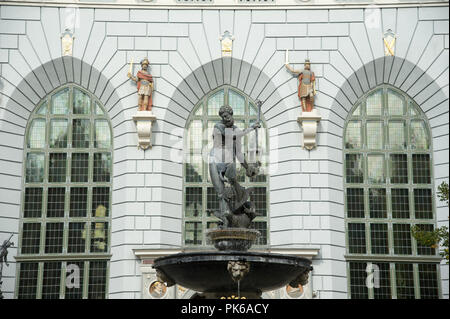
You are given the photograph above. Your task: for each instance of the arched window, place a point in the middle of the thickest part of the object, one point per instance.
(199, 194)
(388, 189)
(66, 201)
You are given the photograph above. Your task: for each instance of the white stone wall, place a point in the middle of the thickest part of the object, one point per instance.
(306, 198)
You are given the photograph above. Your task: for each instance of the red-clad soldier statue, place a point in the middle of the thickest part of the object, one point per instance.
(144, 82)
(306, 85)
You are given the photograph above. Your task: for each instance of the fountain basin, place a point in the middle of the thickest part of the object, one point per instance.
(236, 239)
(207, 271)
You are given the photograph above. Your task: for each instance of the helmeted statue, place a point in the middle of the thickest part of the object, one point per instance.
(144, 81)
(306, 85)
(235, 209)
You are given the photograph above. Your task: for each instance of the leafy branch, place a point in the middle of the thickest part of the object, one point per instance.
(433, 238)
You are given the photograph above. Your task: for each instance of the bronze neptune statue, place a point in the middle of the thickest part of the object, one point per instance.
(235, 209)
(232, 270)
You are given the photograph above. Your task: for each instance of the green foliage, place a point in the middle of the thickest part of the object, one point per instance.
(426, 238)
(443, 192)
(433, 238)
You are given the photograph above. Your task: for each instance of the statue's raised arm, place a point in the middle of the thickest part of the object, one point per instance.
(289, 67)
(306, 84)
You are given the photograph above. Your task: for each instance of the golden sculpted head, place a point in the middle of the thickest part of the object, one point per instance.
(307, 64)
(145, 61)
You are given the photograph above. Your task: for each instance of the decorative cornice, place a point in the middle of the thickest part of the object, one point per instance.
(227, 4)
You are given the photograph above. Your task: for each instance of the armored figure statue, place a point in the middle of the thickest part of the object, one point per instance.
(306, 85)
(144, 81)
(4, 258)
(235, 209)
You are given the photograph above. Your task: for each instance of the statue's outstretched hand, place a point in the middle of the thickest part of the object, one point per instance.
(256, 125)
(252, 170)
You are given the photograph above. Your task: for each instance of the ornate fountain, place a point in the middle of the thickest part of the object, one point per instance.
(232, 269)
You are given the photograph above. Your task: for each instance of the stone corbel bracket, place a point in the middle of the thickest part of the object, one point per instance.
(309, 122)
(144, 121)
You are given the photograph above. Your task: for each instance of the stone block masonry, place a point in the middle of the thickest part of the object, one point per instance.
(306, 201)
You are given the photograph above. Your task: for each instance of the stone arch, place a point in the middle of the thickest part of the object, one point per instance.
(254, 82)
(398, 72)
(21, 94)
(176, 97)
(23, 89)
(174, 101)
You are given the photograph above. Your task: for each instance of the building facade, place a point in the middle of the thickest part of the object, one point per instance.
(89, 210)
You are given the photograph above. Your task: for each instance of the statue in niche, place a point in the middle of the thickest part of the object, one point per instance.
(144, 81)
(235, 209)
(306, 85)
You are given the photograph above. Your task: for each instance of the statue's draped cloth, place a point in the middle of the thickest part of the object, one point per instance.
(143, 85)
(305, 87)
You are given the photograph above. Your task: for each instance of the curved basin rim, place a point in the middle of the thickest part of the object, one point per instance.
(230, 256)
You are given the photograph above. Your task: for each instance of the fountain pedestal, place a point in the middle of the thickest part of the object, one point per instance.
(232, 239)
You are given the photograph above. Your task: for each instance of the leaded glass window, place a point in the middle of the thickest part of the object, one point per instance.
(200, 199)
(64, 232)
(388, 189)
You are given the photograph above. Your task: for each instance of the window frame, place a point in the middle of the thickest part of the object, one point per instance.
(65, 257)
(392, 258)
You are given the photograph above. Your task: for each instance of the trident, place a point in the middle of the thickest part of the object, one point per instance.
(7, 241)
(258, 104)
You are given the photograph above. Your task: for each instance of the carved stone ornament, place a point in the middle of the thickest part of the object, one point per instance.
(227, 44)
(67, 42)
(389, 42)
(238, 269)
(157, 289)
(144, 121)
(309, 122)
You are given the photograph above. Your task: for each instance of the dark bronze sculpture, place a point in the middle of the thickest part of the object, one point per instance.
(235, 209)
(248, 274)
(4, 259)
